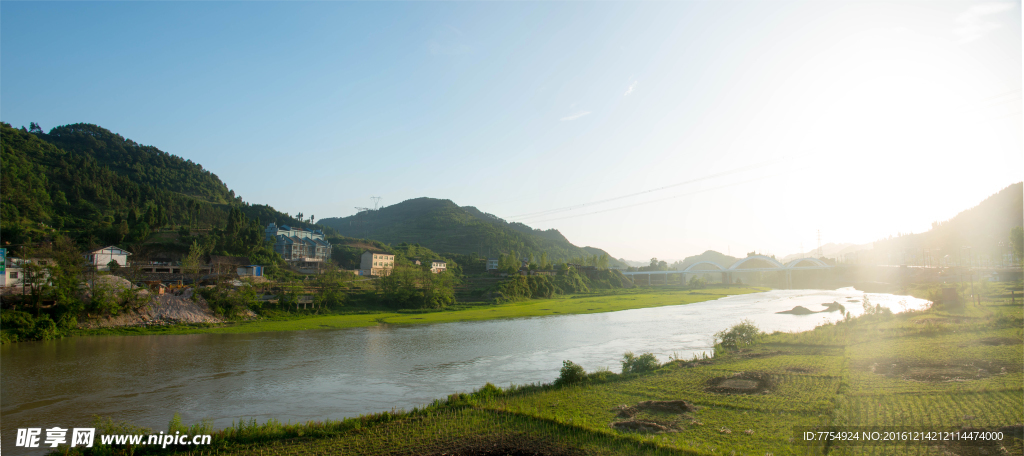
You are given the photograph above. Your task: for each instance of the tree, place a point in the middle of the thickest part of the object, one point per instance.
(193, 262)
(122, 231)
(328, 288)
(34, 128)
(1017, 242)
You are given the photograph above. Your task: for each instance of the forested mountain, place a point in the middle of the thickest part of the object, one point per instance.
(142, 164)
(984, 228)
(102, 189)
(443, 226)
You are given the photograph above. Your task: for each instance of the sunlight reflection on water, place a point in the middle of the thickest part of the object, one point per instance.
(332, 374)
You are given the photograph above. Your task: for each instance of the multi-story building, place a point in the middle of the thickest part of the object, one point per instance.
(492, 264)
(297, 244)
(438, 266)
(376, 263)
(15, 270)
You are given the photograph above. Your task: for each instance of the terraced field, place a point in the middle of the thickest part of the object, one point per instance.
(931, 370)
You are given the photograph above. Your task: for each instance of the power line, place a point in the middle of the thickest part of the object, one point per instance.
(691, 181)
(659, 200)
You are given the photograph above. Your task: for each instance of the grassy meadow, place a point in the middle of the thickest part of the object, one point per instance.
(938, 370)
(608, 301)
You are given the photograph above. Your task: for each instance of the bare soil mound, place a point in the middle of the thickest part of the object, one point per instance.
(742, 383)
(667, 406)
(162, 309)
(678, 407)
(644, 426)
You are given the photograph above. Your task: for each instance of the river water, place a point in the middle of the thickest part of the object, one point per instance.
(332, 374)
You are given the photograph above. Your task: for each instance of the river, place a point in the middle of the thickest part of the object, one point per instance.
(332, 374)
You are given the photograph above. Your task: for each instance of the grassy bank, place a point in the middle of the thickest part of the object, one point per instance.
(934, 370)
(609, 301)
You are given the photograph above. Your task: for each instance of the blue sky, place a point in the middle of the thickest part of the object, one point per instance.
(858, 119)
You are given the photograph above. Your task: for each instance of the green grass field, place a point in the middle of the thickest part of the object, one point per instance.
(932, 370)
(575, 304)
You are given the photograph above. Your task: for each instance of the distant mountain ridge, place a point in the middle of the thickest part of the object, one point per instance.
(443, 226)
(830, 250)
(710, 255)
(983, 229)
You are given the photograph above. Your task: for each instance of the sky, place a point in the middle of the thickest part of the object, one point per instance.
(648, 129)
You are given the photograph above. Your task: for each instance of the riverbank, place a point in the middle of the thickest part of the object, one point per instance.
(608, 301)
(935, 370)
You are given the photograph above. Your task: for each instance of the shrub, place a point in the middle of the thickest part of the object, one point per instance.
(632, 364)
(489, 390)
(571, 374)
(876, 309)
(739, 336)
(601, 375)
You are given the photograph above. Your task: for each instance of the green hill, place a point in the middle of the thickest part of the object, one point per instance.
(443, 226)
(984, 228)
(100, 188)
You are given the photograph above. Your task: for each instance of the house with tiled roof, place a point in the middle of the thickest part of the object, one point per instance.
(299, 245)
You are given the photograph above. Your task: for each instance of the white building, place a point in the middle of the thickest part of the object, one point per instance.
(102, 257)
(14, 271)
(376, 263)
(438, 266)
(492, 264)
(13, 275)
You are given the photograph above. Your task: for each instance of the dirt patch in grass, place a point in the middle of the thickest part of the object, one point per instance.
(958, 371)
(742, 383)
(995, 341)
(504, 445)
(667, 406)
(644, 426)
(677, 407)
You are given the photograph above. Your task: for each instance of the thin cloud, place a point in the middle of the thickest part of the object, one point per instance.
(975, 23)
(630, 89)
(575, 116)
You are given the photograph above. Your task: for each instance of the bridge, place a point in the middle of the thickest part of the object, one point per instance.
(707, 267)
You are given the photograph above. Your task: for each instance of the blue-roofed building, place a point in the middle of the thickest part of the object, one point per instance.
(298, 244)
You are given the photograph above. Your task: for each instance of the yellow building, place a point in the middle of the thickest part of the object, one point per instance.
(376, 263)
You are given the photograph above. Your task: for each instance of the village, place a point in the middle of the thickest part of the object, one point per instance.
(305, 252)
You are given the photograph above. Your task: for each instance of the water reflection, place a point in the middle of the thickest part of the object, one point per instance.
(331, 374)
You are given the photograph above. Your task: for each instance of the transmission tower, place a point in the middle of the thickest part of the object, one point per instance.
(375, 199)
